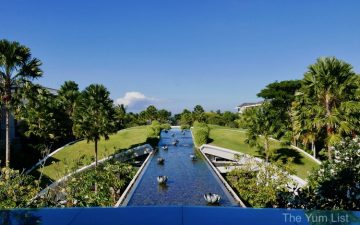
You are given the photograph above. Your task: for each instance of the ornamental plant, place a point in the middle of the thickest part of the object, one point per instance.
(16, 189)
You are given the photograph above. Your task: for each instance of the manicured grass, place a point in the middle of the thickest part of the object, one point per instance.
(235, 139)
(82, 153)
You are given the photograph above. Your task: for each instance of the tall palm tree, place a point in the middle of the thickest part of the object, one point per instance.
(330, 84)
(94, 115)
(17, 67)
(305, 124)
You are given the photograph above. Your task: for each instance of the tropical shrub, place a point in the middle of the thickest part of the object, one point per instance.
(165, 126)
(155, 128)
(201, 133)
(185, 127)
(336, 184)
(260, 188)
(16, 189)
(100, 187)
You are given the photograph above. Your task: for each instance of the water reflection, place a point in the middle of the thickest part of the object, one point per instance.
(189, 179)
(17, 217)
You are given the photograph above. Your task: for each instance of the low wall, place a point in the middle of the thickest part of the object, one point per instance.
(225, 183)
(122, 156)
(132, 182)
(232, 155)
(51, 154)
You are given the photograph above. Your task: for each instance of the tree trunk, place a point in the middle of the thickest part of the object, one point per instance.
(7, 120)
(329, 130)
(266, 147)
(7, 139)
(313, 148)
(96, 154)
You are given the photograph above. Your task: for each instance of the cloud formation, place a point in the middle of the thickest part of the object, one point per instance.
(136, 101)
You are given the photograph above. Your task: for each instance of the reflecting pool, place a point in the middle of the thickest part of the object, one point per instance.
(188, 180)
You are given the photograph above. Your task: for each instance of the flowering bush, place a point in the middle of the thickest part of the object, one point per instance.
(336, 184)
(16, 189)
(100, 187)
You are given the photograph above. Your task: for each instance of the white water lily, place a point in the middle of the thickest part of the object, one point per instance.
(162, 179)
(212, 198)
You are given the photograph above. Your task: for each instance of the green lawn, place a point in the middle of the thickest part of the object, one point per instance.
(235, 139)
(82, 153)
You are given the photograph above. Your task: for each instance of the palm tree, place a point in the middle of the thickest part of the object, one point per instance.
(94, 115)
(304, 122)
(330, 85)
(120, 116)
(17, 67)
(261, 124)
(68, 94)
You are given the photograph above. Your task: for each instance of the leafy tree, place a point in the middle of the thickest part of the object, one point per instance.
(164, 116)
(229, 119)
(198, 113)
(44, 116)
(67, 96)
(331, 86)
(214, 118)
(280, 96)
(120, 116)
(94, 115)
(186, 119)
(260, 121)
(17, 67)
(151, 113)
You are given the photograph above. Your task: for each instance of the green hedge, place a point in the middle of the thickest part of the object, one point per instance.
(155, 128)
(201, 133)
(185, 127)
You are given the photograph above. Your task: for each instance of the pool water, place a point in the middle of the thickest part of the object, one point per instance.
(188, 180)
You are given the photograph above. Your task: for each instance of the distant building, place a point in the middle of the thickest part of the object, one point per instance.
(241, 108)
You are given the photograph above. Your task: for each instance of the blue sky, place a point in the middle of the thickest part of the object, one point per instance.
(176, 54)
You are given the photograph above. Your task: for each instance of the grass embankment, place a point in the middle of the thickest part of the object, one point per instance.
(235, 139)
(82, 153)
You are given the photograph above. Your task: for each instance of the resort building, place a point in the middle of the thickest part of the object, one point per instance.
(241, 108)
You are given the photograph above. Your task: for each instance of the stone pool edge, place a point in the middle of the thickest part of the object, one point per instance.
(134, 182)
(223, 181)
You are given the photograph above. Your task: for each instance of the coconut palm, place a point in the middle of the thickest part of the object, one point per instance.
(94, 115)
(330, 86)
(17, 67)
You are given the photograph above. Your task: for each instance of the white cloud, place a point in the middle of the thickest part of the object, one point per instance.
(136, 101)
